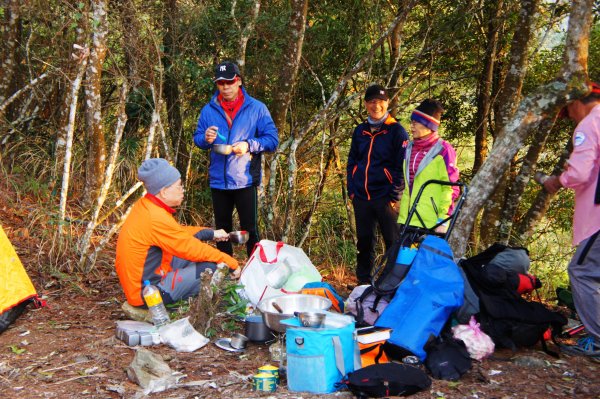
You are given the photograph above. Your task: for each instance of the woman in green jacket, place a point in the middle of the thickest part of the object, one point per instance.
(428, 157)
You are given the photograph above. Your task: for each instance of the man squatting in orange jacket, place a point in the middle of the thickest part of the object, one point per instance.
(153, 246)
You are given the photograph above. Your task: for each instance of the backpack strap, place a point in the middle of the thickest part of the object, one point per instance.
(360, 313)
(587, 247)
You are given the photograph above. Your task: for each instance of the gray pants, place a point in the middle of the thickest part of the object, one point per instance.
(584, 272)
(184, 280)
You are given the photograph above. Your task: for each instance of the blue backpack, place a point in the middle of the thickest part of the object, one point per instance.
(432, 289)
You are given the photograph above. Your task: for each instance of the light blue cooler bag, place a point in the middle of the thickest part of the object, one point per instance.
(318, 358)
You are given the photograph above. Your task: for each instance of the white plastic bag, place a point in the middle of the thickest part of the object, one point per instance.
(479, 344)
(181, 336)
(275, 268)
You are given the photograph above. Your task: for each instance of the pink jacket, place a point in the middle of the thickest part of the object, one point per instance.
(582, 175)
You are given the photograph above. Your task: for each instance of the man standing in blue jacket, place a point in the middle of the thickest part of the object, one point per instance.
(374, 178)
(233, 117)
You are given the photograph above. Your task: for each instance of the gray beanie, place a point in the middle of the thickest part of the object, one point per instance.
(156, 173)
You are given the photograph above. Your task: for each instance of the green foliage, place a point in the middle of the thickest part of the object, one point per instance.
(16, 350)
(235, 305)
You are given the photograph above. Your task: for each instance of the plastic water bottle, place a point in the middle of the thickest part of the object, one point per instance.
(155, 304)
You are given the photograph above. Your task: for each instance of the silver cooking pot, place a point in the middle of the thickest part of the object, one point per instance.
(223, 149)
(289, 304)
(256, 330)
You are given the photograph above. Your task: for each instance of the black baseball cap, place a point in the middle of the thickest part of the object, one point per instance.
(226, 71)
(376, 91)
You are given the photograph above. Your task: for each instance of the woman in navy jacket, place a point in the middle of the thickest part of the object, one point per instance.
(234, 117)
(374, 177)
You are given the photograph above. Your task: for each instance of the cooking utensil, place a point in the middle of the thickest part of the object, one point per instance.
(289, 304)
(277, 307)
(311, 319)
(219, 135)
(256, 330)
(225, 343)
(238, 341)
(223, 149)
(239, 237)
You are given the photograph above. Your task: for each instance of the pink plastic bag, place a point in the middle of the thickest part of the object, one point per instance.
(479, 344)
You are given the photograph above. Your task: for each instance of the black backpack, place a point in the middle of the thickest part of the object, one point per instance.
(447, 357)
(387, 379)
(508, 318)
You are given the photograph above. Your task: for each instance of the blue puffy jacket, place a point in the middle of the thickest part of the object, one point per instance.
(253, 124)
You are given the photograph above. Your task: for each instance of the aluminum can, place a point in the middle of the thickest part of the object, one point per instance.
(268, 369)
(264, 382)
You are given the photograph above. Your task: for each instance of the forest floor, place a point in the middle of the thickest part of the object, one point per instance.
(69, 350)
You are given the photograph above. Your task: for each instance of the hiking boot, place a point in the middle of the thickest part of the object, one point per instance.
(586, 346)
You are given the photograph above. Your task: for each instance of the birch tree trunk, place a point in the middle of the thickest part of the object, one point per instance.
(10, 35)
(245, 32)
(74, 68)
(542, 103)
(69, 130)
(85, 262)
(96, 156)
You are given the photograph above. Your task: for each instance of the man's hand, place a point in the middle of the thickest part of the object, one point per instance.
(235, 273)
(220, 235)
(552, 184)
(240, 148)
(210, 134)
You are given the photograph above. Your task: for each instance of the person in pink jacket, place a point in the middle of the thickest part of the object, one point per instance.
(582, 174)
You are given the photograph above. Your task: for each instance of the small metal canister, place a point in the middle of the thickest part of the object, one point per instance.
(268, 369)
(264, 382)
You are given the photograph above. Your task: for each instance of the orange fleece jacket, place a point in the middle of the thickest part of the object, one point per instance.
(149, 225)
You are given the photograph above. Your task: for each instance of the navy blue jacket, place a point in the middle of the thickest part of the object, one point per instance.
(253, 124)
(375, 160)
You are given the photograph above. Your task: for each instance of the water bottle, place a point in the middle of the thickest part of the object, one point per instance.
(155, 304)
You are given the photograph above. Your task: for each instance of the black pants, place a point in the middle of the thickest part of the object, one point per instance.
(244, 200)
(369, 214)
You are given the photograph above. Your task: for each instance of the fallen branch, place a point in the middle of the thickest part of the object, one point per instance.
(78, 378)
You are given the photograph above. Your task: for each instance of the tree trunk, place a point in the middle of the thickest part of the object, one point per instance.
(290, 63)
(508, 97)
(86, 263)
(69, 130)
(245, 32)
(171, 87)
(485, 86)
(543, 102)
(519, 184)
(10, 36)
(540, 205)
(96, 155)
